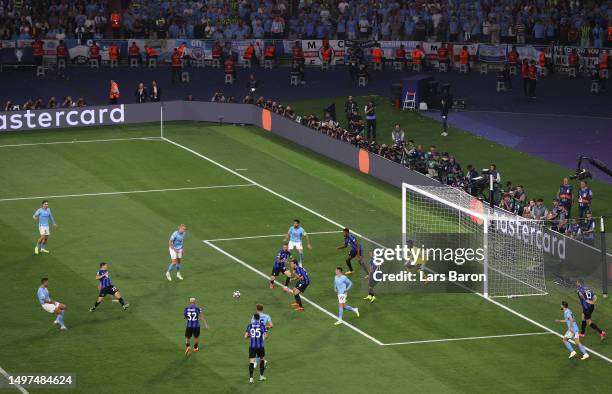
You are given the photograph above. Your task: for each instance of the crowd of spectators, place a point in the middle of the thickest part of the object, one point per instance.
(513, 21)
(39, 103)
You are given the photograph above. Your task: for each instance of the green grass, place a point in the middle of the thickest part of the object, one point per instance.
(141, 350)
(541, 178)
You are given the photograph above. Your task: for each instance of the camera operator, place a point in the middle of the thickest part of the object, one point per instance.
(252, 85)
(349, 108)
(398, 136)
(248, 99)
(141, 93)
(496, 183)
(289, 112)
(469, 177)
(356, 123)
(453, 171)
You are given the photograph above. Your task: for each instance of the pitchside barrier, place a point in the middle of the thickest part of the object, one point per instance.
(565, 258)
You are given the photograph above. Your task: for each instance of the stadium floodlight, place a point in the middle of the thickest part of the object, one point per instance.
(513, 261)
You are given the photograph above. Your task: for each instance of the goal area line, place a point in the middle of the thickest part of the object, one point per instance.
(345, 323)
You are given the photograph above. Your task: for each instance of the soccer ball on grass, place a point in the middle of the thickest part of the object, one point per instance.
(236, 294)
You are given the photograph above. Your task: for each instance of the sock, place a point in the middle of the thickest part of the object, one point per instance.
(60, 318)
(251, 368)
(196, 345)
(96, 304)
(371, 293)
(594, 327)
(178, 268)
(568, 346)
(349, 308)
(43, 245)
(262, 367)
(350, 265)
(271, 282)
(287, 282)
(187, 344)
(582, 349)
(121, 301)
(298, 300)
(39, 245)
(363, 266)
(301, 257)
(340, 312)
(583, 326)
(170, 267)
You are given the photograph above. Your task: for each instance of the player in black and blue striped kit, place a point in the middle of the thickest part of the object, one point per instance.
(106, 288)
(587, 299)
(303, 281)
(279, 267)
(356, 251)
(256, 333)
(193, 315)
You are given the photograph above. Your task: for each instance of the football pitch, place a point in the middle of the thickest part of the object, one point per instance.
(117, 193)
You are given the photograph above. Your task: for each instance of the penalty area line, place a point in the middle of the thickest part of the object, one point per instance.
(467, 338)
(268, 236)
(16, 385)
(82, 141)
(317, 306)
(128, 192)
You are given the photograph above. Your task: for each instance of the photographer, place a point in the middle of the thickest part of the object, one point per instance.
(356, 123)
(370, 113)
(289, 112)
(507, 203)
(218, 97)
(398, 136)
(431, 159)
(141, 93)
(349, 108)
(252, 85)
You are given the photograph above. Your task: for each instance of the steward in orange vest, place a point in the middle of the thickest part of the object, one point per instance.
(113, 52)
(228, 67)
(604, 60)
(61, 50)
(134, 52)
(573, 60)
(113, 94)
(443, 54)
(326, 53)
(513, 57)
(525, 76)
(151, 53)
(532, 73)
(464, 56)
(400, 54)
(417, 55)
(175, 62)
(94, 51)
(249, 54)
(270, 52)
(542, 59)
(38, 52)
(377, 55)
(217, 51)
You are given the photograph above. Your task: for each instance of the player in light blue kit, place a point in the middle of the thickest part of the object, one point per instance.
(44, 216)
(342, 285)
(175, 246)
(50, 305)
(295, 235)
(572, 332)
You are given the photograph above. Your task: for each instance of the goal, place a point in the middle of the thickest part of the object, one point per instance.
(513, 260)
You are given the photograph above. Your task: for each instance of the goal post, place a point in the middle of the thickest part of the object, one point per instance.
(510, 259)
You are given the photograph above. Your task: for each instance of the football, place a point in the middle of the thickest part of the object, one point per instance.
(236, 294)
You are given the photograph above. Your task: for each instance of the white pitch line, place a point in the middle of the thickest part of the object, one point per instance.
(317, 306)
(17, 386)
(83, 141)
(467, 338)
(126, 192)
(518, 314)
(267, 236)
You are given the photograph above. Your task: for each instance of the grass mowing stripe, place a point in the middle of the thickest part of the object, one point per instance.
(467, 338)
(268, 236)
(236, 259)
(128, 192)
(518, 314)
(82, 141)
(17, 386)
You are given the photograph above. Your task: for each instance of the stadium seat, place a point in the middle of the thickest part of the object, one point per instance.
(295, 80)
(409, 101)
(152, 62)
(417, 67)
(513, 70)
(595, 87)
(229, 79)
(61, 63)
(442, 67)
(542, 71)
(185, 76)
(501, 86)
(463, 68)
(40, 71)
(198, 63)
(571, 72)
(246, 64)
(113, 63)
(216, 63)
(484, 69)
(324, 65)
(604, 74)
(267, 64)
(363, 81)
(398, 66)
(94, 63)
(376, 66)
(133, 62)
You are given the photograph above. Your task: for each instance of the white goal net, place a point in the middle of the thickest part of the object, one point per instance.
(513, 264)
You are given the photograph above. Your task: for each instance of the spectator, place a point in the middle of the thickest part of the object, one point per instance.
(573, 230)
(588, 229)
(539, 211)
(585, 195)
(141, 93)
(52, 103)
(528, 209)
(155, 93)
(507, 203)
(67, 103)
